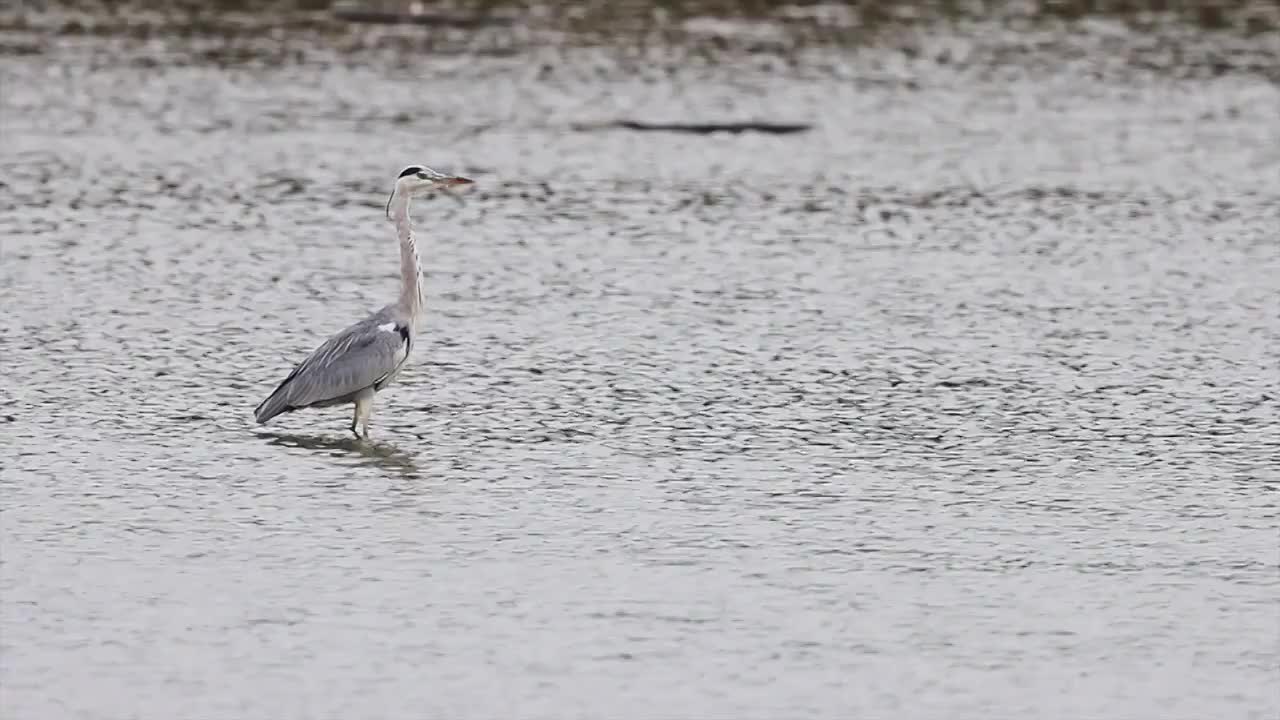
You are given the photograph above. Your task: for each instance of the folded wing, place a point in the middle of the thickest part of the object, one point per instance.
(363, 356)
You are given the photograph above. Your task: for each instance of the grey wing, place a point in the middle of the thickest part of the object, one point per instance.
(363, 356)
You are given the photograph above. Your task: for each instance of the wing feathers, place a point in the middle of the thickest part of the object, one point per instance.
(362, 356)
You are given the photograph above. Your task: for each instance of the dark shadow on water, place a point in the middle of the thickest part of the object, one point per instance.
(374, 452)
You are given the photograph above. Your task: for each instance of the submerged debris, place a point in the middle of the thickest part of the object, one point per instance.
(702, 128)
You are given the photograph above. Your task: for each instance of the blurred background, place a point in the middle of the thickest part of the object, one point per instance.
(787, 359)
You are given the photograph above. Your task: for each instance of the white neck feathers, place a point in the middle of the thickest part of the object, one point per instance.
(410, 269)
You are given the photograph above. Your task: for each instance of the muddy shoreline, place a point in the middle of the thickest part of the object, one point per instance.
(1204, 39)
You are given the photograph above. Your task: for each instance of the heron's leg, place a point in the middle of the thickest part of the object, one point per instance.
(364, 408)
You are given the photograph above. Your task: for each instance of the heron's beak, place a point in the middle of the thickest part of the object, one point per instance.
(454, 181)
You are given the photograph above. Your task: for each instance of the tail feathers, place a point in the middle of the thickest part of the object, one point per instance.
(271, 407)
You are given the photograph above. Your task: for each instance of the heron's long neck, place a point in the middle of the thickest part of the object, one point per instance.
(410, 270)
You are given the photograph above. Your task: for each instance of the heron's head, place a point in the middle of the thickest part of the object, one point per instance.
(419, 180)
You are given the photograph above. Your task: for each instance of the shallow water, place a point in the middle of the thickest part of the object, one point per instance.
(963, 404)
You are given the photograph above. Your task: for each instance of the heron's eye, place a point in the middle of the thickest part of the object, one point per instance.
(422, 176)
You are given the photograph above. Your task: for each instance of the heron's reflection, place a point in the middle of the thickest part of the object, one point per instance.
(378, 453)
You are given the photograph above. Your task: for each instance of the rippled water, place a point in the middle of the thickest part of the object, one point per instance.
(963, 404)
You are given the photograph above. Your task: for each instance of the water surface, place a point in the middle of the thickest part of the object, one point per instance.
(963, 404)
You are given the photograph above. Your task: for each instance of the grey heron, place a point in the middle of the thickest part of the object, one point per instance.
(353, 365)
